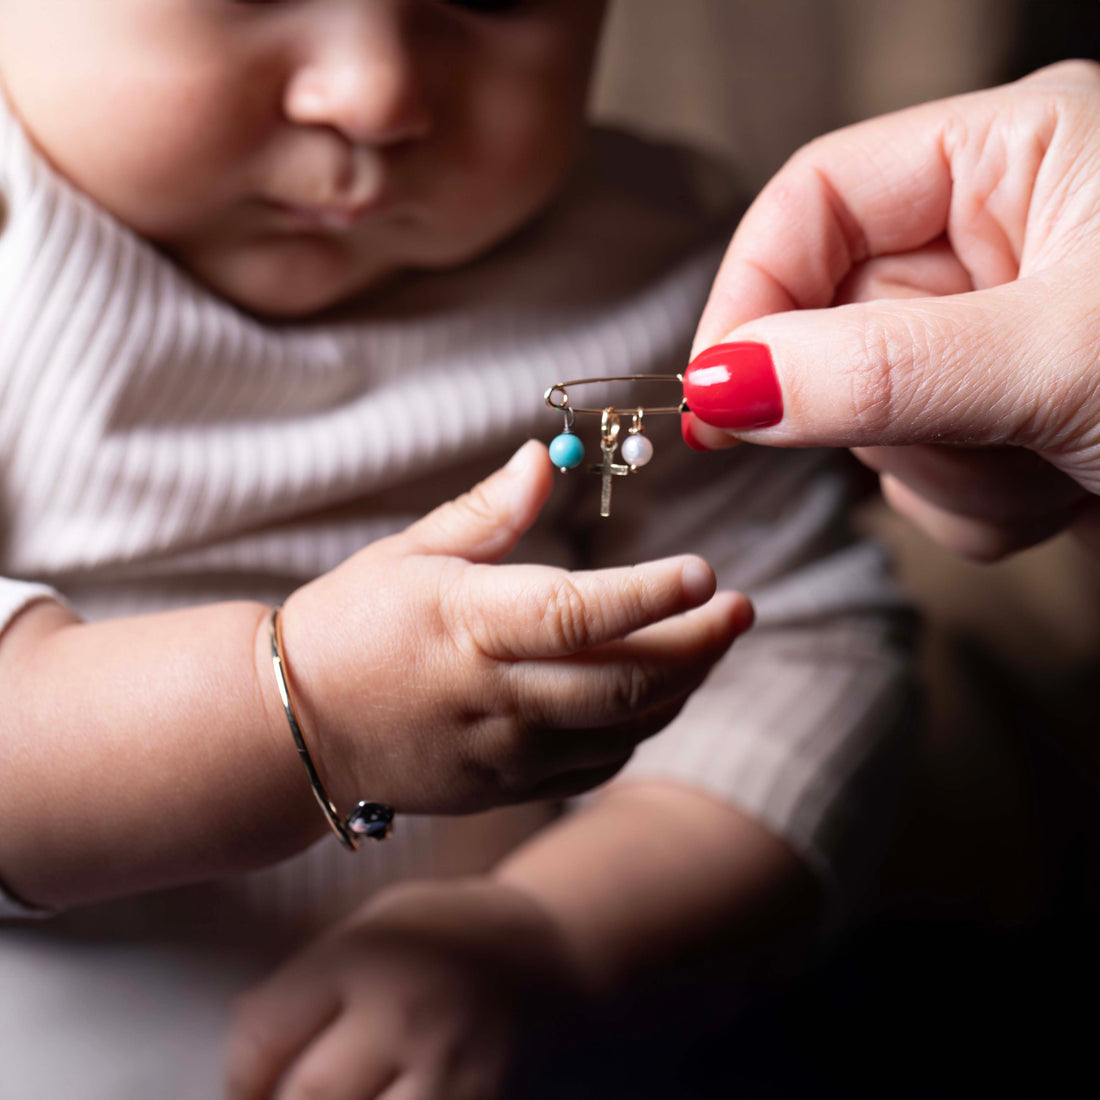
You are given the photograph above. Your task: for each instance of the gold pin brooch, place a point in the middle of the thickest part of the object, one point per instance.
(567, 450)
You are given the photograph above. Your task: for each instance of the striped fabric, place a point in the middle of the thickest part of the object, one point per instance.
(159, 448)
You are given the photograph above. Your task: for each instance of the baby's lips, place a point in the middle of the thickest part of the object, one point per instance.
(734, 386)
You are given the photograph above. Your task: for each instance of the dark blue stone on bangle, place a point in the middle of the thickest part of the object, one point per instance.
(371, 820)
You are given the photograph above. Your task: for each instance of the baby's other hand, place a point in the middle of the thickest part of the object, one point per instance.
(425, 994)
(431, 679)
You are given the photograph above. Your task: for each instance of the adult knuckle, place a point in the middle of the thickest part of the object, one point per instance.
(1064, 99)
(871, 379)
(1073, 71)
(1055, 403)
(1085, 71)
(906, 367)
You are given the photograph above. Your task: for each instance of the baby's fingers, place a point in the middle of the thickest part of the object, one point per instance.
(623, 680)
(271, 1026)
(345, 1063)
(521, 612)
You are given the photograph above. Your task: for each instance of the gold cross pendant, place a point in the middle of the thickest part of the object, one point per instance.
(608, 468)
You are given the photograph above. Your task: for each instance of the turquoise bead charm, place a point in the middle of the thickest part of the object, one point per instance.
(566, 451)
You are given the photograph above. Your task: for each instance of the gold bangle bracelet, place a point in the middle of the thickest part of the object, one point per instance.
(369, 820)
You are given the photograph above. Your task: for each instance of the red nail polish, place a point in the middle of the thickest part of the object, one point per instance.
(687, 431)
(734, 386)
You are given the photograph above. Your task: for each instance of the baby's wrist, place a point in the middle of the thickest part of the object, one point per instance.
(563, 956)
(277, 732)
(484, 915)
(332, 752)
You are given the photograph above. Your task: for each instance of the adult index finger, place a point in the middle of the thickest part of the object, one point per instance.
(886, 186)
(962, 170)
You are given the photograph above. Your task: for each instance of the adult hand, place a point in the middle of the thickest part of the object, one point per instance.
(925, 287)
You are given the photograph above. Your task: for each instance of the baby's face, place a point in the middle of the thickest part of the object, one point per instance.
(291, 153)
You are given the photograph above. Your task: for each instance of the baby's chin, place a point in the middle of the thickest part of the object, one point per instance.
(288, 279)
(291, 277)
(300, 277)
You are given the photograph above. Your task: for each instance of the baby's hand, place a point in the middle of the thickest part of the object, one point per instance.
(423, 994)
(432, 680)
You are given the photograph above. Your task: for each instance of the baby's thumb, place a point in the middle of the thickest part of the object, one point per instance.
(969, 368)
(485, 523)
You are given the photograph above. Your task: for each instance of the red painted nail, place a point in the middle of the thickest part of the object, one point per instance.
(734, 386)
(687, 431)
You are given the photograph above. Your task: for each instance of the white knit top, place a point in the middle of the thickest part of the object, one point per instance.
(159, 448)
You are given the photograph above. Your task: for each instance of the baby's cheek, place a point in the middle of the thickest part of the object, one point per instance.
(158, 149)
(178, 159)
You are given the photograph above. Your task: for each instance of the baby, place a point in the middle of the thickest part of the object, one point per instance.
(277, 280)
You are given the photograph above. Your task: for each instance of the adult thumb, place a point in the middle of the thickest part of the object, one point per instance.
(973, 368)
(485, 523)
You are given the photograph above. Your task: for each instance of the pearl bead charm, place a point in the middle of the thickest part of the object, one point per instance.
(636, 450)
(566, 451)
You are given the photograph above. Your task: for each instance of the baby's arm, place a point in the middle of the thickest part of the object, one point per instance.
(141, 752)
(154, 750)
(654, 873)
(428, 991)
(655, 869)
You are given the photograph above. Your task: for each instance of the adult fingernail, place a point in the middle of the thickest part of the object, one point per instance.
(687, 431)
(734, 386)
(702, 437)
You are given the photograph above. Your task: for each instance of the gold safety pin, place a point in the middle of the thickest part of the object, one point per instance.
(561, 389)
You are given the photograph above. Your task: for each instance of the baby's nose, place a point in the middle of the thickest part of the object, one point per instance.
(362, 80)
